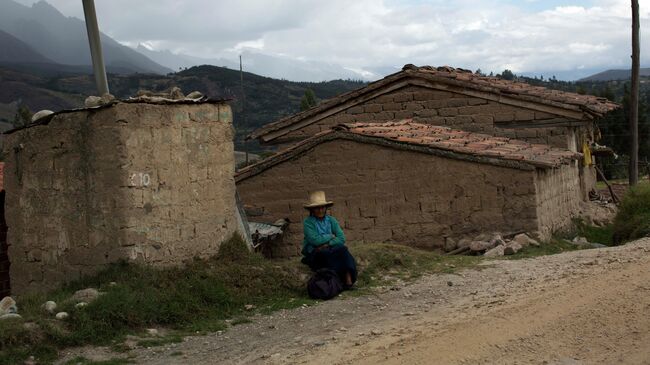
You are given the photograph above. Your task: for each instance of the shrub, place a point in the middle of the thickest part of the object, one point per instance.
(633, 218)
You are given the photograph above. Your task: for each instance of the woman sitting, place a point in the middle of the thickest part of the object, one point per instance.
(324, 243)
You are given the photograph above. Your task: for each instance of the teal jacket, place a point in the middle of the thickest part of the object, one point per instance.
(313, 239)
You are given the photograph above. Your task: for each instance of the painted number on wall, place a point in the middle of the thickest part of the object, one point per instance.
(140, 179)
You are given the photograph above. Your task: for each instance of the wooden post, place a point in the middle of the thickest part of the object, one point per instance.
(634, 97)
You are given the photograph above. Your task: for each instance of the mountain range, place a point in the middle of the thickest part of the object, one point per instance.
(615, 75)
(41, 34)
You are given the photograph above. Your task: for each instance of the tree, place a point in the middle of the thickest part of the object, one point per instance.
(507, 75)
(634, 98)
(308, 100)
(23, 116)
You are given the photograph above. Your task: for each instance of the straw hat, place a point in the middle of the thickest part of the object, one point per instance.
(317, 199)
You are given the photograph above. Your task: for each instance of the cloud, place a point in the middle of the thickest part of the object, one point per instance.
(366, 35)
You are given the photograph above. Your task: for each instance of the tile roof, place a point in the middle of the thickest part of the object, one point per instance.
(477, 144)
(588, 106)
(425, 138)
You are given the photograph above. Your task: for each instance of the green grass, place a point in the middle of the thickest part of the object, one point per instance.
(556, 246)
(633, 218)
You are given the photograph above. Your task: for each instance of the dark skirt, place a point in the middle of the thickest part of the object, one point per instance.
(336, 258)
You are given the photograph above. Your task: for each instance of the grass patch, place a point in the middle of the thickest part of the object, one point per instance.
(196, 299)
(380, 262)
(633, 218)
(555, 246)
(603, 235)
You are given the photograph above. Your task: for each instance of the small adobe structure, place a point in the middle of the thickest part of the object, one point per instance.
(458, 99)
(415, 184)
(145, 180)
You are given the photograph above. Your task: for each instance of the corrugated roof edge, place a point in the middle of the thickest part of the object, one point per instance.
(342, 132)
(46, 119)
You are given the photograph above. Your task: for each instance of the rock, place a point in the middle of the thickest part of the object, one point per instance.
(512, 248)
(31, 326)
(62, 316)
(449, 283)
(10, 316)
(522, 239)
(478, 246)
(375, 332)
(107, 98)
(30, 361)
(580, 241)
(176, 93)
(450, 244)
(194, 95)
(152, 332)
(497, 240)
(49, 306)
(85, 295)
(496, 251)
(483, 237)
(463, 242)
(93, 101)
(249, 307)
(112, 283)
(8, 305)
(81, 305)
(40, 114)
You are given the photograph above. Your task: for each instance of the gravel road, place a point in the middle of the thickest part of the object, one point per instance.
(581, 307)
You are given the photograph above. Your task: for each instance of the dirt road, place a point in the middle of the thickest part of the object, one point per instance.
(583, 307)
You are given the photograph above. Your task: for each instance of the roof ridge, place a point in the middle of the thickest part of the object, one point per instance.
(588, 106)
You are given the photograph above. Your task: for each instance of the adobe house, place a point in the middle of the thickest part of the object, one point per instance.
(458, 99)
(416, 184)
(140, 180)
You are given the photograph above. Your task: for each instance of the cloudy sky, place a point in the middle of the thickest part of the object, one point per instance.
(376, 35)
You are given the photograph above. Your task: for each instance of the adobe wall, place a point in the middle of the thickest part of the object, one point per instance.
(139, 182)
(558, 198)
(383, 194)
(442, 108)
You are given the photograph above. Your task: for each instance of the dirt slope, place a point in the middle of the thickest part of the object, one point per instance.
(583, 307)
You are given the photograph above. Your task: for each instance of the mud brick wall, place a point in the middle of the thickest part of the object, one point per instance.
(383, 194)
(135, 181)
(445, 109)
(558, 198)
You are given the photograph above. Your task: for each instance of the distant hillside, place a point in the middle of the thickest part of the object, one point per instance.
(615, 75)
(266, 99)
(15, 50)
(63, 39)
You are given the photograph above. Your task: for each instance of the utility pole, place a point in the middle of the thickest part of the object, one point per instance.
(634, 97)
(243, 99)
(92, 28)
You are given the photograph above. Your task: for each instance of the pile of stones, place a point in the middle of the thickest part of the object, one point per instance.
(490, 245)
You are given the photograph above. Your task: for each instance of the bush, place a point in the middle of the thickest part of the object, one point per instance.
(633, 218)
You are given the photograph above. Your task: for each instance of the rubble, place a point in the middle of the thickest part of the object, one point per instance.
(49, 306)
(8, 306)
(85, 295)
